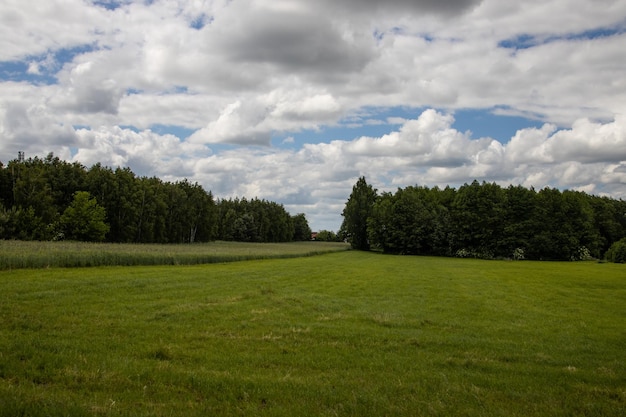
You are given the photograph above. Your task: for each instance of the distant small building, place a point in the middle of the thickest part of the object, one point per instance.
(314, 236)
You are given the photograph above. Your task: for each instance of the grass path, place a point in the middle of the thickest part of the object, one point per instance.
(347, 334)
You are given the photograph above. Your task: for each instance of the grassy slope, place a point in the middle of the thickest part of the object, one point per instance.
(341, 334)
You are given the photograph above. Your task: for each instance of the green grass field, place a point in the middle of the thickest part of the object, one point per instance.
(342, 334)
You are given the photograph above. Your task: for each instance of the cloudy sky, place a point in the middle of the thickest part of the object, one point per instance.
(293, 100)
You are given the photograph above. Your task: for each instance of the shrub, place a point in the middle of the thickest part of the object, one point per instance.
(464, 253)
(617, 252)
(470, 253)
(582, 254)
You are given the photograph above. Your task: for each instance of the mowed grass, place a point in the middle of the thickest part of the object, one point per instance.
(19, 254)
(342, 334)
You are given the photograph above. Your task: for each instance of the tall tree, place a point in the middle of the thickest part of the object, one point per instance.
(609, 219)
(64, 179)
(84, 219)
(6, 187)
(411, 221)
(520, 220)
(381, 225)
(199, 212)
(477, 213)
(356, 213)
(302, 231)
(556, 239)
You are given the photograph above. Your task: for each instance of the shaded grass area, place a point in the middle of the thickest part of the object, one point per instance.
(347, 334)
(20, 254)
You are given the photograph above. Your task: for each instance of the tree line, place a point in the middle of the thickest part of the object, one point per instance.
(484, 220)
(48, 198)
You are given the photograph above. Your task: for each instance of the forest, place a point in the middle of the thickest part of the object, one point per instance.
(485, 220)
(51, 199)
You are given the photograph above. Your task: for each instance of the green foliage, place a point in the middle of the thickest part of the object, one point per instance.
(327, 236)
(35, 193)
(520, 221)
(412, 221)
(301, 229)
(476, 213)
(487, 221)
(566, 224)
(617, 252)
(347, 334)
(83, 220)
(356, 213)
(257, 221)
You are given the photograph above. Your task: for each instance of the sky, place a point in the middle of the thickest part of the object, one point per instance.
(293, 100)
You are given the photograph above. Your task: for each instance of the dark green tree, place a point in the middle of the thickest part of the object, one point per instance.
(580, 217)
(253, 221)
(415, 213)
(153, 211)
(245, 228)
(64, 179)
(100, 182)
(32, 189)
(327, 236)
(23, 224)
(477, 214)
(381, 225)
(121, 195)
(520, 221)
(84, 219)
(609, 220)
(6, 187)
(301, 229)
(199, 213)
(356, 213)
(409, 222)
(281, 224)
(557, 239)
(617, 252)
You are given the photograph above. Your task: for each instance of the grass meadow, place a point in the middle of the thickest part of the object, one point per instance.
(16, 254)
(341, 334)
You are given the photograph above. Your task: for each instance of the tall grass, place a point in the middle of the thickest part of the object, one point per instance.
(344, 334)
(20, 254)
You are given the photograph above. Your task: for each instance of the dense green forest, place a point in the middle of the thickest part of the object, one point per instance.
(485, 220)
(48, 199)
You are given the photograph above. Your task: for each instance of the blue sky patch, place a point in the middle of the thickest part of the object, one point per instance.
(201, 21)
(379, 122)
(525, 40)
(41, 69)
(178, 131)
(486, 123)
(109, 4)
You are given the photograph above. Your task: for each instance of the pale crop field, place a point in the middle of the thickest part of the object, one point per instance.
(340, 334)
(19, 254)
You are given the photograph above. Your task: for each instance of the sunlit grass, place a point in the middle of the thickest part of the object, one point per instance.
(347, 333)
(20, 254)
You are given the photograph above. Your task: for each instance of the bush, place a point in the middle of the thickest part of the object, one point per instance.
(469, 253)
(519, 254)
(582, 254)
(617, 252)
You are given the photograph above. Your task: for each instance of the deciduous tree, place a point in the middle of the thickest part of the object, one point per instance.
(84, 219)
(356, 213)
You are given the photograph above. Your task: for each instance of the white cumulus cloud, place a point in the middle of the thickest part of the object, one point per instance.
(292, 100)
